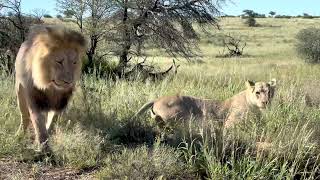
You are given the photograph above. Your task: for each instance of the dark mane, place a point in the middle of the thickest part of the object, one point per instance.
(46, 100)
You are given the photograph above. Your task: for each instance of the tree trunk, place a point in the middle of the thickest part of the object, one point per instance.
(10, 64)
(90, 54)
(123, 59)
(22, 27)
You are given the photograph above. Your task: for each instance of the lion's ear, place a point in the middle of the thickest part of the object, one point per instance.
(273, 82)
(250, 84)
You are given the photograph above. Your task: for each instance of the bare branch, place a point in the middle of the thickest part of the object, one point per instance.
(39, 13)
(234, 45)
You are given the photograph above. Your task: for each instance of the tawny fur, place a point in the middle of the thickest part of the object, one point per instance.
(47, 66)
(174, 108)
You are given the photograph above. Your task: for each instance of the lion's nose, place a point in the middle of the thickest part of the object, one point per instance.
(68, 79)
(265, 102)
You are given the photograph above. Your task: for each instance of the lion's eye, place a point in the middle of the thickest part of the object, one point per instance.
(75, 62)
(257, 93)
(59, 62)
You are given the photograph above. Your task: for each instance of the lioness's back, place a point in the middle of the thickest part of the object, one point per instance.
(177, 107)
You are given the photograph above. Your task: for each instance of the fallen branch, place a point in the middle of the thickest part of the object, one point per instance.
(145, 72)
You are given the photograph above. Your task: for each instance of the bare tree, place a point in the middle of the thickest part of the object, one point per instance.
(14, 15)
(127, 25)
(14, 25)
(145, 72)
(92, 19)
(165, 24)
(38, 14)
(97, 25)
(234, 45)
(77, 7)
(6, 61)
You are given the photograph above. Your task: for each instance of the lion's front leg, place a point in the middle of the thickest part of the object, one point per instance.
(24, 112)
(38, 122)
(52, 117)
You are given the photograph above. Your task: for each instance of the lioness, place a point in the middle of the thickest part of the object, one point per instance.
(47, 67)
(170, 108)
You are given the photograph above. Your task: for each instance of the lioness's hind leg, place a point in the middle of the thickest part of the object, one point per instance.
(25, 116)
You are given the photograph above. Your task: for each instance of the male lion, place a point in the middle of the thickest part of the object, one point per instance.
(47, 66)
(170, 108)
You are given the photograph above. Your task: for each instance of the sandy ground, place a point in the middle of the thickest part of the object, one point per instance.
(11, 169)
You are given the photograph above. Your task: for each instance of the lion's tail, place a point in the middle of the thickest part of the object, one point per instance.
(144, 108)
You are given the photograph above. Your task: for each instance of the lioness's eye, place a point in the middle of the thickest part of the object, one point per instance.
(75, 62)
(257, 93)
(59, 62)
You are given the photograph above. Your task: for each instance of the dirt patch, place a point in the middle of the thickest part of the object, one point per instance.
(11, 169)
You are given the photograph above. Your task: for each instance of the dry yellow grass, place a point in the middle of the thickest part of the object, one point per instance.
(103, 109)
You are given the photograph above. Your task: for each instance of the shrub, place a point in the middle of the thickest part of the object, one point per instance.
(260, 16)
(283, 16)
(308, 45)
(251, 22)
(59, 17)
(47, 16)
(307, 16)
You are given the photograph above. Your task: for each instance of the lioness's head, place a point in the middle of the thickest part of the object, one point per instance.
(260, 94)
(55, 56)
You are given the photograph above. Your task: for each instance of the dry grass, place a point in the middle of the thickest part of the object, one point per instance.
(96, 130)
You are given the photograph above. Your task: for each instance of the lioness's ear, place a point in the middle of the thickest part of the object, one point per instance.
(250, 84)
(273, 82)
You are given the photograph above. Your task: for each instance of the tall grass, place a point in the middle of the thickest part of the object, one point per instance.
(96, 130)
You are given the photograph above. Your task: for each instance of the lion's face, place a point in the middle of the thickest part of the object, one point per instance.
(59, 69)
(261, 93)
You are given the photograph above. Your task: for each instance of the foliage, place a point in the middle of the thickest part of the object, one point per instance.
(127, 26)
(250, 15)
(251, 22)
(59, 16)
(7, 61)
(308, 45)
(47, 16)
(307, 16)
(68, 13)
(97, 121)
(14, 26)
(249, 12)
(272, 13)
(283, 16)
(38, 14)
(92, 19)
(234, 45)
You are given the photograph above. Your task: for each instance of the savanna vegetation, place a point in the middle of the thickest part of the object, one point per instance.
(96, 137)
(308, 45)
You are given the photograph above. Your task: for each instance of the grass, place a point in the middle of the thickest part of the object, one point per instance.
(96, 130)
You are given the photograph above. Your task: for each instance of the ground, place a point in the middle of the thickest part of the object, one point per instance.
(96, 137)
(11, 169)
